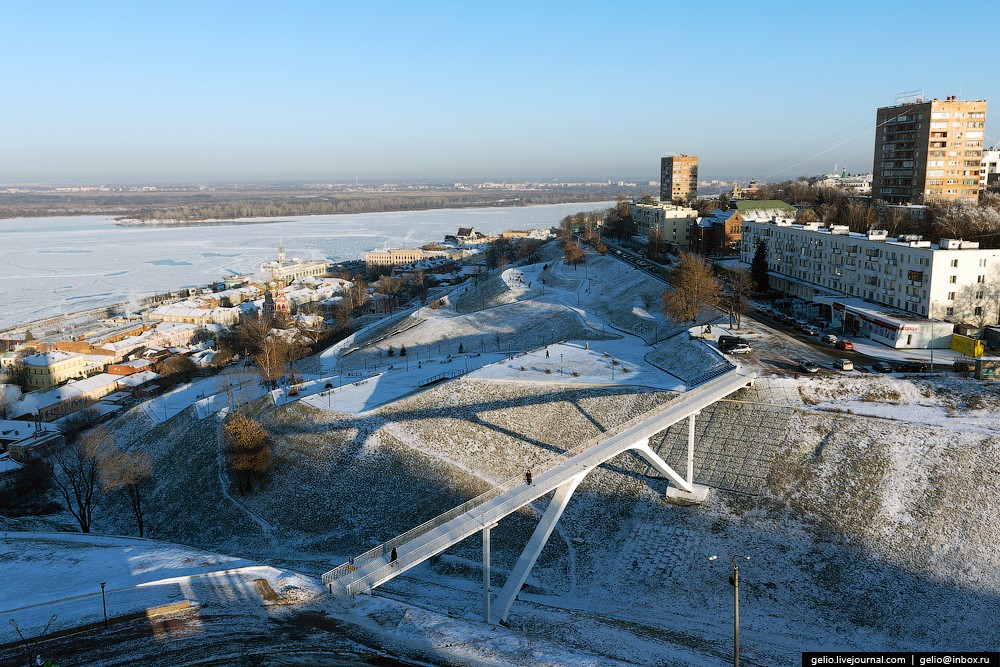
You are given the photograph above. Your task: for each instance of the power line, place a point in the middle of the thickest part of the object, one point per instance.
(810, 150)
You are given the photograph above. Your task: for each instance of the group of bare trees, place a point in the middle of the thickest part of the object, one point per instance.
(618, 220)
(978, 221)
(694, 286)
(88, 471)
(572, 252)
(272, 348)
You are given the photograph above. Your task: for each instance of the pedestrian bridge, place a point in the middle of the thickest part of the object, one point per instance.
(561, 474)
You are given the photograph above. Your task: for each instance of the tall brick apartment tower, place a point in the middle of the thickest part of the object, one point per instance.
(929, 151)
(678, 178)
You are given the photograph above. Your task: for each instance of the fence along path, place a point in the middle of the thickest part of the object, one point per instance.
(374, 567)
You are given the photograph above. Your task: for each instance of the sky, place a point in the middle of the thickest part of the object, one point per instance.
(179, 91)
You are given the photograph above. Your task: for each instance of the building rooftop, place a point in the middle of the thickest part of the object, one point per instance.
(95, 382)
(12, 430)
(904, 240)
(48, 358)
(137, 379)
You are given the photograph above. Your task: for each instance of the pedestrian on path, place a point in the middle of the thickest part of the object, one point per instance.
(527, 476)
(392, 556)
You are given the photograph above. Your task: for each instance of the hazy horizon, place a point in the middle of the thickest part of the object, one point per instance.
(327, 92)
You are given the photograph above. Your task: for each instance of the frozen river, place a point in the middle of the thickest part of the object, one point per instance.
(51, 266)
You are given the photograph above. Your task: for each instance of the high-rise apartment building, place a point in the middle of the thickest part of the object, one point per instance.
(678, 178)
(926, 151)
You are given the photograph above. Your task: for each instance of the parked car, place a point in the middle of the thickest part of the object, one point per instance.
(912, 367)
(829, 339)
(808, 366)
(728, 342)
(844, 344)
(843, 365)
(881, 367)
(964, 366)
(741, 348)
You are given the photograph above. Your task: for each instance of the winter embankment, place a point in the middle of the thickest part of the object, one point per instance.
(867, 505)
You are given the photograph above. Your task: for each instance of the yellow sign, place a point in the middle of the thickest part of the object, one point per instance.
(970, 347)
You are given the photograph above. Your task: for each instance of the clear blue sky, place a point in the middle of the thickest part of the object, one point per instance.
(187, 91)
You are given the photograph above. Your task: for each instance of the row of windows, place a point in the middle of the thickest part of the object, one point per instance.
(957, 114)
(978, 295)
(951, 311)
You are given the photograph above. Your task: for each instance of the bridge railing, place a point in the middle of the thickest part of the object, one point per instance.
(382, 550)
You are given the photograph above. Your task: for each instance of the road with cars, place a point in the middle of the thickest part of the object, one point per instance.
(826, 355)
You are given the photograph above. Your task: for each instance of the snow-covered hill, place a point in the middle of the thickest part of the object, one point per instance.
(867, 504)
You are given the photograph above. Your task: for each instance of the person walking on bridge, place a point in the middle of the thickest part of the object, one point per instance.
(392, 556)
(527, 477)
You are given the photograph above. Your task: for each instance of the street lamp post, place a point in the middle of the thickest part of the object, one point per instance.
(24, 642)
(734, 581)
(104, 601)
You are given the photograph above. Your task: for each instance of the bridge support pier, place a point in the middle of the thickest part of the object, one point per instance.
(533, 549)
(686, 492)
(690, 468)
(486, 572)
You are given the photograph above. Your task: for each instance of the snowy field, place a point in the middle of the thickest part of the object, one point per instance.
(59, 265)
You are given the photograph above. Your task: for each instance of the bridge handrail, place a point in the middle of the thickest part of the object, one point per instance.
(508, 484)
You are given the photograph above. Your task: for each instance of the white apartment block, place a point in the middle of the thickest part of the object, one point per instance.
(950, 280)
(674, 222)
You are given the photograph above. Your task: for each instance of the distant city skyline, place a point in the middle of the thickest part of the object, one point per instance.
(117, 92)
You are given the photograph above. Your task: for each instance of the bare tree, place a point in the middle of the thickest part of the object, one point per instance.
(359, 292)
(270, 360)
(894, 220)
(342, 318)
(254, 331)
(654, 244)
(618, 220)
(806, 215)
(801, 192)
(693, 287)
(388, 285)
(131, 472)
(234, 386)
(76, 475)
(419, 280)
(178, 368)
(17, 373)
(861, 216)
(311, 328)
(737, 287)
